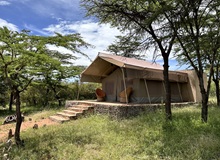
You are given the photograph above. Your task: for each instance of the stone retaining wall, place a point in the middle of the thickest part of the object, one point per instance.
(121, 111)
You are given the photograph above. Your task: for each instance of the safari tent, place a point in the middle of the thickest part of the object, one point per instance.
(117, 73)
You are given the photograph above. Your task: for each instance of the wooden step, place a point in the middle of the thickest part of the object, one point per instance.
(59, 119)
(67, 115)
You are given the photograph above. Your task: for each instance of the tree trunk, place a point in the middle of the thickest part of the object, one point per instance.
(60, 102)
(19, 118)
(217, 91)
(167, 88)
(204, 113)
(78, 89)
(215, 78)
(57, 97)
(46, 99)
(11, 101)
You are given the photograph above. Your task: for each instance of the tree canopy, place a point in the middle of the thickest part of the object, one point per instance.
(143, 22)
(190, 25)
(25, 57)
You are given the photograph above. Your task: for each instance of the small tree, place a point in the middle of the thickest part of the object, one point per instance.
(22, 57)
(198, 37)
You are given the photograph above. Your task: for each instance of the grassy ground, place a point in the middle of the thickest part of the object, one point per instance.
(33, 111)
(147, 136)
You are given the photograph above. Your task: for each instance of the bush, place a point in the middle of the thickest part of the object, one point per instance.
(41, 95)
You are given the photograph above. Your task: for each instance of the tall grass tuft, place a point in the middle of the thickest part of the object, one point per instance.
(147, 136)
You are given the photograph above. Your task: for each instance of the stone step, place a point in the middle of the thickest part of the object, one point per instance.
(72, 112)
(67, 115)
(78, 109)
(59, 119)
(80, 106)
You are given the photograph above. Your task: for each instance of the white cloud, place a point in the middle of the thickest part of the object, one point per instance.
(4, 23)
(35, 29)
(100, 36)
(4, 3)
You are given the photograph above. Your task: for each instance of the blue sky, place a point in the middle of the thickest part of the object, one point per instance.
(44, 17)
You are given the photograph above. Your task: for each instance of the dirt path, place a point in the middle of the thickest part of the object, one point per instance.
(28, 123)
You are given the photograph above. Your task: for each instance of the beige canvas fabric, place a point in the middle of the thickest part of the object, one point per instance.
(146, 79)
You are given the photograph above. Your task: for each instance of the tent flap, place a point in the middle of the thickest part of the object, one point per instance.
(105, 64)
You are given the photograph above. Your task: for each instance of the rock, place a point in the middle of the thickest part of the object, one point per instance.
(5, 156)
(35, 126)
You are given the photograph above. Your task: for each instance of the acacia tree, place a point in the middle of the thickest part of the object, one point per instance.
(212, 46)
(128, 46)
(198, 33)
(215, 78)
(22, 57)
(52, 80)
(143, 19)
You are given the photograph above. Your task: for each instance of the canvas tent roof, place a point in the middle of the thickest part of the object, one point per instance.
(104, 64)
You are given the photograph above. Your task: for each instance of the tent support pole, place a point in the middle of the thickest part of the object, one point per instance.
(145, 82)
(126, 96)
(180, 91)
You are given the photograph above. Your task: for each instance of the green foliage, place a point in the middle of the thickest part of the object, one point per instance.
(128, 46)
(212, 90)
(142, 22)
(87, 91)
(4, 112)
(144, 137)
(3, 92)
(25, 57)
(38, 95)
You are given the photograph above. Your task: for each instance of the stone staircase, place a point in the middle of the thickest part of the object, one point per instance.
(72, 112)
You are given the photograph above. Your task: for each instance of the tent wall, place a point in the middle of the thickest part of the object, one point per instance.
(193, 86)
(116, 72)
(144, 90)
(187, 94)
(152, 91)
(111, 85)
